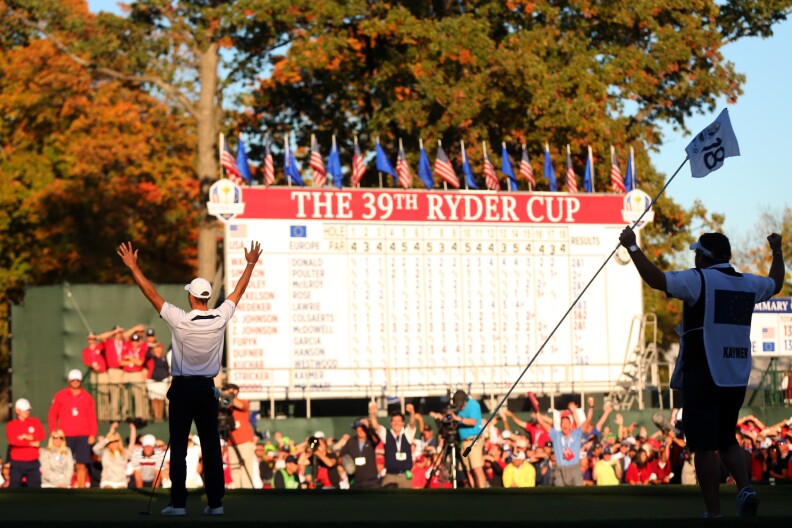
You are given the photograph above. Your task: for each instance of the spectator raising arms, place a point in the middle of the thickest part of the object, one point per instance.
(114, 457)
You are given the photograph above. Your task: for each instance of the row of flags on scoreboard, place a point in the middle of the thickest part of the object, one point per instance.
(238, 169)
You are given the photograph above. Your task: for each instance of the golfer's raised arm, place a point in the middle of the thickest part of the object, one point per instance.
(129, 256)
(251, 256)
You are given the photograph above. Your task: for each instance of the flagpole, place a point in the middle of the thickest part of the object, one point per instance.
(221, 140)
(379, 172)
(569, 164)
(571, 307)
(525, 149)
(634, 172)
(288, 158)
(464, 159)
(445, 184)
(401, 149)
(591, 166)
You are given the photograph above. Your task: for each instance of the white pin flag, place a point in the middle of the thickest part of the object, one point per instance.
(710, 148)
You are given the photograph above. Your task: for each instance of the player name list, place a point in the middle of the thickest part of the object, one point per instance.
(352, 307)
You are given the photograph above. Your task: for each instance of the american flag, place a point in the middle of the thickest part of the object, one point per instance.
(269, 166)
(490, 178)
(317, 165)
(229, 164)
(617, 182)
(238, 230)
(403, 170)
(526, 171)
(358, 167)
(768, 332)
(444, 168)
(571, 179)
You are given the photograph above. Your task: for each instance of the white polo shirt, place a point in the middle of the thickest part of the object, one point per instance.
(197, 338)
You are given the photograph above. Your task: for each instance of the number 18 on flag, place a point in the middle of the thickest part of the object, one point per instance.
(710, 148)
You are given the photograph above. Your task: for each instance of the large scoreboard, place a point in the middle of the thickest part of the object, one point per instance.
(369, 292)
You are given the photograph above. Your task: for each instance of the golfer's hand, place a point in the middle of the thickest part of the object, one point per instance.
(627, 237)
(127, 254)
(254, 253)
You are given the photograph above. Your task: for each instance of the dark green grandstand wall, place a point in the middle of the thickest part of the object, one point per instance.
(48, 334)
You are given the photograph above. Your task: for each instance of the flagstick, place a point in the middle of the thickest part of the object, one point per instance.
(464, 159)
(552, 333)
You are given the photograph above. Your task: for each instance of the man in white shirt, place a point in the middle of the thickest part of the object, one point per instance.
(197, 340)
(715, 353)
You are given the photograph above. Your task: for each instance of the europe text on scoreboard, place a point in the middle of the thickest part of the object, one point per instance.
(771, 328)
(369, 292)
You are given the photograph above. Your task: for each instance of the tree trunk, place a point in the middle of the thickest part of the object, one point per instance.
(207, 160)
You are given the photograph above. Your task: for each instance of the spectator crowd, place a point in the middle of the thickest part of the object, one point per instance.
(559, 448)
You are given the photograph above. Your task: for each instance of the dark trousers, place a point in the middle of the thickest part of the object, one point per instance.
(30, 470)
(194, 399)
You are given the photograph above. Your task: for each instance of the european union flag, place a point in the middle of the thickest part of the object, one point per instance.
(242, 162)
(298, 231)
(383, 165)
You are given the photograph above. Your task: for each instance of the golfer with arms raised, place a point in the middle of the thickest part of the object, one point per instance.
(197, 341)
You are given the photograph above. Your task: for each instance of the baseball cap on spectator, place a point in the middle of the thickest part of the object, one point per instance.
(135, 337)
(766, 443)
(74, 374)
(522, 442)
(358, 423)
(713, 245)
(518, 455)
(630, 440)
(549, 443)
(22, 404)
(148, 440)
(150, 332)
(199, 288)
(427, 427)
(291, 459)
(319, 434)
(118, 328)
(567, 415)
(607, 450)
(506, 435)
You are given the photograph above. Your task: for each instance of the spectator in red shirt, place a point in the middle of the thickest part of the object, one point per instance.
(94, 358)
(73, 411)
(536, 432)
(24, 435)
(115, 348)
(640, 470)
(135, 374)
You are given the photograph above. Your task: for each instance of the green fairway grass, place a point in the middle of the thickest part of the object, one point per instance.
(671, 506)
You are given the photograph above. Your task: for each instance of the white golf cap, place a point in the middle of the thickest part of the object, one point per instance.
(199, 288)
(148, 440)
(74, 374)
(22, 404)
(319, 434)
(519, 456)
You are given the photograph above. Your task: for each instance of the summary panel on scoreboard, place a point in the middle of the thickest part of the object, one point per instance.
(771, 328)
(352, 301)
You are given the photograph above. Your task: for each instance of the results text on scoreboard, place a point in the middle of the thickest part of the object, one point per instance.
(347, 307)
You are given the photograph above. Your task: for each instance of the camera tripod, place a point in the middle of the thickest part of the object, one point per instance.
(447, 455)
(224, 430)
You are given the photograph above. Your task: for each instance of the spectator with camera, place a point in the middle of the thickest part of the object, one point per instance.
(319, 462)
(398, 450)
(241, 439)
(359, 457)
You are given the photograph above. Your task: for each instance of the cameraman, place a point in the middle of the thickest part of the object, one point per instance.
(320, 463)
(468, 416)
(241, 439)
